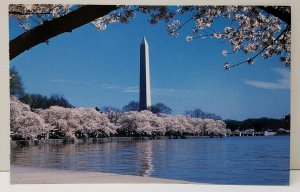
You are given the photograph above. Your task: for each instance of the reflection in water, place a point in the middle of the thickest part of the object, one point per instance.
(147, 166)
(240, 160)
(132, 157)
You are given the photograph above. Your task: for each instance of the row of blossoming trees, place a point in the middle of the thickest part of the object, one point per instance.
(84, 123)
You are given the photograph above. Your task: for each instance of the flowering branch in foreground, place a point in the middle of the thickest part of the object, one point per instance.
(252, 29)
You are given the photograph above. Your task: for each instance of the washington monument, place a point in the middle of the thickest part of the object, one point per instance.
(145, 95)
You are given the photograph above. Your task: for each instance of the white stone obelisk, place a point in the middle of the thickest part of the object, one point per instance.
(145, 95)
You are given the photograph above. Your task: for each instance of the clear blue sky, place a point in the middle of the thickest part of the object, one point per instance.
(101, 68)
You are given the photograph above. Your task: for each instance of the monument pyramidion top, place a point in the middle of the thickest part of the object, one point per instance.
(144, 41)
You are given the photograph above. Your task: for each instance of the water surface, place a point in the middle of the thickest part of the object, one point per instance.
(235, 160)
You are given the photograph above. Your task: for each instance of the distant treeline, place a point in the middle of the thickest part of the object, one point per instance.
(260, 124)
(36, 101)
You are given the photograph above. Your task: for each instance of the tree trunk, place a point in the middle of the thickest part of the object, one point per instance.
(49, 29)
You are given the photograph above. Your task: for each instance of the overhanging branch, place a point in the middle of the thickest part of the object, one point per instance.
(280, 12)
(49, 29)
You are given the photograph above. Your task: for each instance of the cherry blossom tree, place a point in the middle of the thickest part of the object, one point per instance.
(178, 125)
(76, 123)
(147, 123)
(157, 123)
(73, 123)
(126, 125)
(215, 127)
(142, 123)
(255, 30)
(185, 125)
(198, 125)
(173, 126)
(25, 124)
(95, 124)
(113, 114)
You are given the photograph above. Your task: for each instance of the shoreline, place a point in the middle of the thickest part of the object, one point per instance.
(32, 175)
(27, 143)
(21, 143)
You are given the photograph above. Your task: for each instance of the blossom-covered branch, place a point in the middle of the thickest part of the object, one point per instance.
(251, 29)
(268, 53)
(60, 22)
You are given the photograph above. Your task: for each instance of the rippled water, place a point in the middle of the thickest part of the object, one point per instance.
(235, 160)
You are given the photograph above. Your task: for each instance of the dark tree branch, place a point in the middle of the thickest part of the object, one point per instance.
(186, 22)
(84, 15)
(279, 12)
(263, 49)
(28, 13)
(49, 29)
